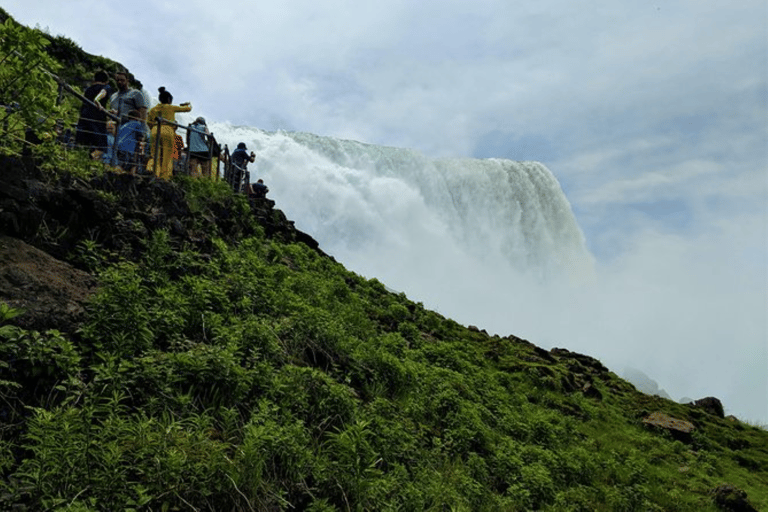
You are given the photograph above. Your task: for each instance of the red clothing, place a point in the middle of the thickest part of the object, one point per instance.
(178, 147)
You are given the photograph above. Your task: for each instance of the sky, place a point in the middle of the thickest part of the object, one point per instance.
(653, 116)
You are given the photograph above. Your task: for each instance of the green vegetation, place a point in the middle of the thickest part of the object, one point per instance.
(262, 375)
(33, 110)
(28, 93)
(265, 376)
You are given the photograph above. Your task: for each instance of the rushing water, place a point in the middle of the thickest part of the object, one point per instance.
(359, 198)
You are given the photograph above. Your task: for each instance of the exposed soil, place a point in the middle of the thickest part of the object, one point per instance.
(51, 293)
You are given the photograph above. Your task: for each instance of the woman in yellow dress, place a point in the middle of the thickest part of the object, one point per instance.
(164, 109)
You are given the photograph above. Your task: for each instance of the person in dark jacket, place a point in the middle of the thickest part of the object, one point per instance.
(240, 159)
(258, 190)
(92, 125)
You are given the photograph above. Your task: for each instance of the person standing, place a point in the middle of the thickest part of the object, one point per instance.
(199, 148)
(162, 153)
(144, 93)
(131, 140)
(240, 159)
(126, 99)
(178, 152)
(91, 127)
(108, 157)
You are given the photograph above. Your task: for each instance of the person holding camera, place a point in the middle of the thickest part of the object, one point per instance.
(240, 159)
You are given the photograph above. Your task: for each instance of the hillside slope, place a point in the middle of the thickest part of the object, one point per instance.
(224, 362)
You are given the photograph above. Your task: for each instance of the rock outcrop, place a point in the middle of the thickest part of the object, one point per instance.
(711, 405)
(117, 211)
(731, 499)
(51, 293)
(680, 429)
(44, 268)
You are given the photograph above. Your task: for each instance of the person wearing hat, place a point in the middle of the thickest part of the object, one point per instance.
(240, 159)
(199, 149)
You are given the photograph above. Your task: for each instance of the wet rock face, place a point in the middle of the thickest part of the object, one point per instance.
(51, 293)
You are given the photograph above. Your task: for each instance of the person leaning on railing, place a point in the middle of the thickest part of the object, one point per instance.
(91, 128)
(240, 159)
(167, 111)
(199, 148)
(257, 190)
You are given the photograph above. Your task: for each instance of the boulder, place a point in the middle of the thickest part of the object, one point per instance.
(680, 429)
(711, 405)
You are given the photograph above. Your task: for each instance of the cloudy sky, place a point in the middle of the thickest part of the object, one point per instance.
(645, 112)
(652, 115)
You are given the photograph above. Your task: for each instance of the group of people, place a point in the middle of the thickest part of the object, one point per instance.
(121, 129)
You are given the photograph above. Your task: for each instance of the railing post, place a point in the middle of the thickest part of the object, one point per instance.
(186, 158)
(211, 142)
(115, 142)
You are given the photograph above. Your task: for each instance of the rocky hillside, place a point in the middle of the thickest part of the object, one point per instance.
(206, 355)
(172, 346)
(114, 212)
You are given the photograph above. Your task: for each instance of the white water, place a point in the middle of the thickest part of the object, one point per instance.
(473, 239)
(493, 243)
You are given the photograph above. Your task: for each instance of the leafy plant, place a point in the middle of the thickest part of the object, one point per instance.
(28, 94)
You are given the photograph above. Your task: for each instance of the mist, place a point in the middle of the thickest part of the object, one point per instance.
(689, 310)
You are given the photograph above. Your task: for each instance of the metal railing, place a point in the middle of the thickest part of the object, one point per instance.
(137, 162)
(208, 139)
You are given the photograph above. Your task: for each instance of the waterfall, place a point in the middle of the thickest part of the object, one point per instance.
(367, 199)
(456, 234)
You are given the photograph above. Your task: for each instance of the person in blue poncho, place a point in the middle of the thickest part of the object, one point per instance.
(199, 149)
(132, 138)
